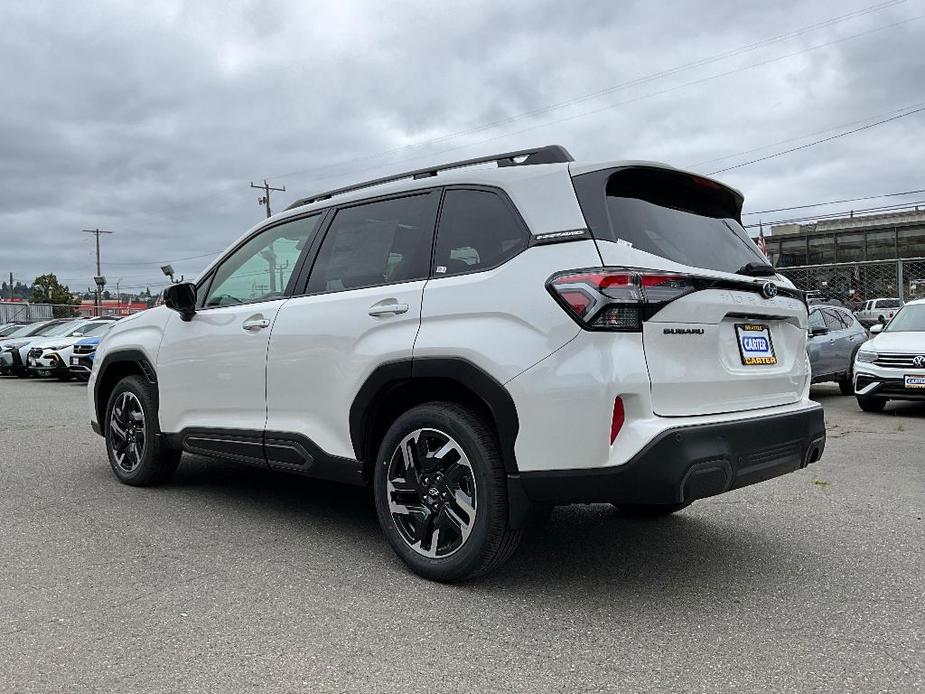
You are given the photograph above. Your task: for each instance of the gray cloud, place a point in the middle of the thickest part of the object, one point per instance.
(151, 120)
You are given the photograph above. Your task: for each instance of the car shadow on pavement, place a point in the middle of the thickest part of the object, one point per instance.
(828, 395)
(582, 551)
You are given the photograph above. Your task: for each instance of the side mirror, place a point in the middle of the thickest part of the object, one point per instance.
(182, 299)
(816, 332)
(876, 328)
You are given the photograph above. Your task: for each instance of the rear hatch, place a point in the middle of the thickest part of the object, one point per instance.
(717, 339)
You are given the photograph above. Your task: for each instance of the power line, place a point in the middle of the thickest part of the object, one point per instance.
(329, 167)
(165, 262)
(844, 213)
(265, 200)
(642, 97)
(835, 202)
(609, 90)
(819, 142)
(697, 165)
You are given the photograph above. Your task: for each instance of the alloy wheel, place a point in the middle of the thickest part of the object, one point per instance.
(431, 493)
(127, 431)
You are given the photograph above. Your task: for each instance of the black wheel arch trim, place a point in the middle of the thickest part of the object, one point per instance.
(367, 403)
(120, 356)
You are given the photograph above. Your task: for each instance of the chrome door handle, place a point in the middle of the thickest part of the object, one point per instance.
(255, 324)
(388, 309)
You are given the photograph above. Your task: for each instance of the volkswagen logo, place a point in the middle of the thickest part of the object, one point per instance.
(918, 362)
(769, 290)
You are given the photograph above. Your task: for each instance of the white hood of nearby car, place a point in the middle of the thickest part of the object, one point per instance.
(898, 342)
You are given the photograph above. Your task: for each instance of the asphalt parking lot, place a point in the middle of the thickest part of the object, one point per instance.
(231, 579)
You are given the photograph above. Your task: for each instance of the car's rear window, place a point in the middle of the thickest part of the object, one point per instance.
(671, 214)
(888, 303)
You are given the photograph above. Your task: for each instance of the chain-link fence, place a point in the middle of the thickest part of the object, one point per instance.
(21, 311)
(855, 283)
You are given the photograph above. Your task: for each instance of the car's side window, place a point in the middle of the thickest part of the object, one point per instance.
(376, 243)
(477, 231)
(846, 318)
(816, 320)
(832, 320)
(260, 269)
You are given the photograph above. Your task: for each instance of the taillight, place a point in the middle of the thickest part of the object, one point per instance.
(618, 299)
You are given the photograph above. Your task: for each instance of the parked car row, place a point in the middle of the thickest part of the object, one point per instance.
(62, 348)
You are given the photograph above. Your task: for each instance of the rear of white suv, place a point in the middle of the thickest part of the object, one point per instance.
(479, 344)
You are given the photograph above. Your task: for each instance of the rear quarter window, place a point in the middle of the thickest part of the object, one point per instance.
(478, 230)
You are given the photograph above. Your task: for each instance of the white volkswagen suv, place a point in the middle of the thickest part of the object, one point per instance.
(891, 366)
(478, 342)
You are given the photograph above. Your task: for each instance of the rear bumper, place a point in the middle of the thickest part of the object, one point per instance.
(691, 462)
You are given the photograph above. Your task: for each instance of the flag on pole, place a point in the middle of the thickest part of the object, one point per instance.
(762, 244)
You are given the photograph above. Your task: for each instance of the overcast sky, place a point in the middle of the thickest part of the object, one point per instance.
(150, 119)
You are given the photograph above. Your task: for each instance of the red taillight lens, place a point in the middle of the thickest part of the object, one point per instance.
(616, 299)
(618, 418)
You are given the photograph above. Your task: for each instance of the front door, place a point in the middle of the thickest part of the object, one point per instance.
(213, 367)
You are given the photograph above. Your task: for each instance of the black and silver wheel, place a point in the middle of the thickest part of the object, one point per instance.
(126, 437)
(431, 493)
(133, 444)
(441, 493)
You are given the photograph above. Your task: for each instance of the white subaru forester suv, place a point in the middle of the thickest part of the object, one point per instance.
(478, 342)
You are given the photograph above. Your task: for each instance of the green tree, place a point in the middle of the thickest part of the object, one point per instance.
(48, 290)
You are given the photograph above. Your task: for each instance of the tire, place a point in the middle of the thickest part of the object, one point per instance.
(446, 517)
(143, 462)
(871, 404)
(846, 385)
(650, 510)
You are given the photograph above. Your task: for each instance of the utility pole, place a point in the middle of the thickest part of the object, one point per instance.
(99, 272)
(266, 188)
(11, 286)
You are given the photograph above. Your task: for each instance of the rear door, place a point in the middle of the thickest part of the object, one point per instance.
(817, 347)
(359, 307)
(724, 348)
(840, 342)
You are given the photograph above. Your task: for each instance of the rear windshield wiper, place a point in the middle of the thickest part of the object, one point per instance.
(757, 270)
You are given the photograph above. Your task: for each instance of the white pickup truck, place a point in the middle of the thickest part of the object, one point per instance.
(877, 311)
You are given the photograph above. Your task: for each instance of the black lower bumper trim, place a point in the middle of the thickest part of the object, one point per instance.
(692, 462)
(889, 388)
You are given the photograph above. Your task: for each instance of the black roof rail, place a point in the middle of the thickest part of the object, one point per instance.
(550, 154)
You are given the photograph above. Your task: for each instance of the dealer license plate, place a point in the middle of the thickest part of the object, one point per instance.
(755, 345)
(915, 381)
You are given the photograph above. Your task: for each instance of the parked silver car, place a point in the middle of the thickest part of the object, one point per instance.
(835, 335)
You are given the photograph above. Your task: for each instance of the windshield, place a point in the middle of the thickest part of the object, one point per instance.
(909, 319)
(100, 328)
(674, 215)
(59, 329)
(22, 330)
